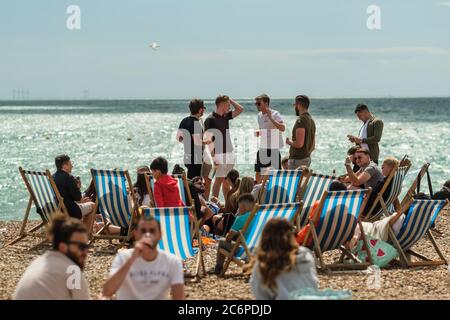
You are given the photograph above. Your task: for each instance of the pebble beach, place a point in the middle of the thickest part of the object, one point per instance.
(419, 283)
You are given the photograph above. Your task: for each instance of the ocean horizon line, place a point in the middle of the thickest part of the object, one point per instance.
(212, 98)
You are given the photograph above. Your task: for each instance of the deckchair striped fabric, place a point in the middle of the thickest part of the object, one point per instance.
(114, 202)
(282, 186)
(175, 230)
(396, 189)
(46, 201)
(317, 185)
(339, 218)
(418, 220)
(181, 189)
(262, 216)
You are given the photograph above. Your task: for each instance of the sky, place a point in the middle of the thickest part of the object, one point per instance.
(322, 48)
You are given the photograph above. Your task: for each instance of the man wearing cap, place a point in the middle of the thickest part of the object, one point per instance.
(271, 126)
(370, 132)
(303, 135)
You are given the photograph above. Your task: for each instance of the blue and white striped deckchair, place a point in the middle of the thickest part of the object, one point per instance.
(380, 207)
(316, 185)
(250, 235)
(114, 202)
(44, 195)
(176, 236)
(183, 187)
(339, 216)
(418, 221)
(281, 186)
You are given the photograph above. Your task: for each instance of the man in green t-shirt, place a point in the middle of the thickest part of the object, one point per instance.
(303, 135)
(246, 203)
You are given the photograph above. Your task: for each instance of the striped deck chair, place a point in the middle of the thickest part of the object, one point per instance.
(46, 198)
(316, 185)
(339, 215)
(380, 207)
(114, 202)
(185, 193)
(176, 236)
(248, 238)
(281, 186)
(409, 196)
(419, 218)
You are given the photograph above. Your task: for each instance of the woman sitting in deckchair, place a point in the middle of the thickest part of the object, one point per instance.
(379, 229)
(386, 168)
(281, 266)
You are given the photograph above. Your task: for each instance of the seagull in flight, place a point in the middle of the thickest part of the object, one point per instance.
(154, 45)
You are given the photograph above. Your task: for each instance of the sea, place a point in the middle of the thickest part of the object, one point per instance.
(125, 134)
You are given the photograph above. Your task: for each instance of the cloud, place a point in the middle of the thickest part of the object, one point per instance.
(444, 4)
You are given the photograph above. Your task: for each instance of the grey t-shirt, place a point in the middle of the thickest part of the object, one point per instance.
(302, 275)
(52, 276)
(375, 174)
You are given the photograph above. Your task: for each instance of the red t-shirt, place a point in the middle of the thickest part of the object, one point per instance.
(167, 193)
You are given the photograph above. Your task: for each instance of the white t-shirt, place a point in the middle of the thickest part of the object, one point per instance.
(52, 276)
(363, 134)
(271, 137)
(148, 280)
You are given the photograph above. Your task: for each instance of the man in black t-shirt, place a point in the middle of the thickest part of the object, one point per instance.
(69, 188)
(217, 130)
(190, 133)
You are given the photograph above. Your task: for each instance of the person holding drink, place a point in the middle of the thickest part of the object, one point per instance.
(145, 272)
(271, 126)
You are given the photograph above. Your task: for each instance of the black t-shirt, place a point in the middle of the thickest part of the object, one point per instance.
(193, 154)
(222, 125)
(67, 187)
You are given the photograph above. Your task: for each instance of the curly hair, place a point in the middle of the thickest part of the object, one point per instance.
(277, 252)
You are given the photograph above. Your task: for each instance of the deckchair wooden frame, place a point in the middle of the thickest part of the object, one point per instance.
(344, 251)
(240, 241)
(195, 234)
(32, 199)
(134, 212)
(379, 199)
(301, 184)
(405, 255)
(410, 193)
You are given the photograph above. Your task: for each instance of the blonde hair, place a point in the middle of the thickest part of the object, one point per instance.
(391, 161)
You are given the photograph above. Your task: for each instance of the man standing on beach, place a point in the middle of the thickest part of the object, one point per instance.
(77, 206)
(370, 132)
(303, 140)
(190, 133)
(217, 127)
(271, 126)
(58, 273)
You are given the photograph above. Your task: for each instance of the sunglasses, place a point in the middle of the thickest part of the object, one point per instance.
(81, 245)
(358, 158)
(258, 104)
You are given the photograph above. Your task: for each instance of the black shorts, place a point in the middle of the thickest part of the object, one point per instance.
(268, 158)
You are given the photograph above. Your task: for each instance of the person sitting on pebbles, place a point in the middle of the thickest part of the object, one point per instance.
(246, 203)
(48, 276)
